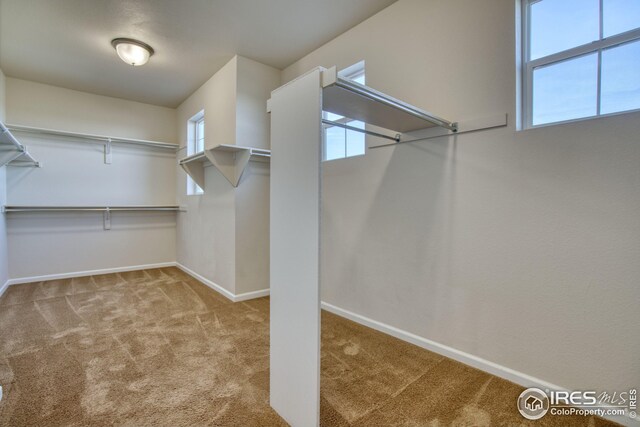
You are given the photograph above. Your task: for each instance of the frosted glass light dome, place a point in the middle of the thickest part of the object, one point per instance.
(133, 52)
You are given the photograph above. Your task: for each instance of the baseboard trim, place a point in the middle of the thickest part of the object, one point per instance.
(230, 295)
(509, 374)
(4, 288)
(88, 273)
(252, 295)
(207, 282)
(233, 297)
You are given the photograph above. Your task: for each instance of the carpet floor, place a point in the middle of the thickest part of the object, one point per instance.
(159, 348)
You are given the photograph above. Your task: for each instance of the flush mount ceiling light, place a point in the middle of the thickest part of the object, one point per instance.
(133, 52)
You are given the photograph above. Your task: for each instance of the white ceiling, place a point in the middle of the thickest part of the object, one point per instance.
(67, 42)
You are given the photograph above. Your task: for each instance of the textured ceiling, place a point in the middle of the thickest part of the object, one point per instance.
(67, 42)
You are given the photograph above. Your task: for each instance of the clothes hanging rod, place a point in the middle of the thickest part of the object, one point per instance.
(462, 132)
(9, 209)
(368, 132)
(92, 137)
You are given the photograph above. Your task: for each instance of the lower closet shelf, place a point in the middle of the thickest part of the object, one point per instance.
(106, 210)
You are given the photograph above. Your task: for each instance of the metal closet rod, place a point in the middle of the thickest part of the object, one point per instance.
(368, 132)
(92, 137)
(88, 208)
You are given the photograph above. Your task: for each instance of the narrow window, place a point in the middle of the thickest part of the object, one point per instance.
(581, 59)
(195, 144)
(340, 143)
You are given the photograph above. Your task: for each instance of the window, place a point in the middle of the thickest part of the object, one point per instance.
(340, 143)
(195, 144)
(581, 59)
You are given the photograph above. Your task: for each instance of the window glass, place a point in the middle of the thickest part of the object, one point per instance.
(199, 139)
(619, 16)
(356, 144)
(338, 141)
(620, 78)
(557, 25)
(565, 90)
(334, 143)
(195, 144)
(584, 59)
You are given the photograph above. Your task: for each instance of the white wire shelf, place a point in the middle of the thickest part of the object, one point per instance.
(230, 160)
(12, 152)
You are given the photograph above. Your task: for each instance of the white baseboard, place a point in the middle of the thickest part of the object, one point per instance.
(230, 295)
(509, 374)
(4, 288)
(252, 295)
(88, 273)
(233, 297)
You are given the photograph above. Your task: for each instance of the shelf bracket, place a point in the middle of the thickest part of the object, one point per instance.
(107, 219)
(107, 152)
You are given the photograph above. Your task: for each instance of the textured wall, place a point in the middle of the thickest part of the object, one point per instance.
(224, 236)
(518, 247)
(74, 173)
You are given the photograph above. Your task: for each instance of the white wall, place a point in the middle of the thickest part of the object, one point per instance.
(74, 173)
(254, 85)
(4, 257)
(521, 248)
(224, 236)
(206, 233)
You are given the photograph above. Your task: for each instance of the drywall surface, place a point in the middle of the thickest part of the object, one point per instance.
(252, 229)
(206, 232)
(255, 82)
(3, 95)
(294, 373)
(40, 105)
(521, 248)
(4, 257)
(74, 173)
(224, 236)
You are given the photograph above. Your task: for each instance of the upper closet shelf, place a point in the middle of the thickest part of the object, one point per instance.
(350, 99)
(12, 153)
(230, 160)
(93, 137)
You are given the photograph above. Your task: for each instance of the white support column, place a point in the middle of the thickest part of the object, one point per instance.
(296, 144)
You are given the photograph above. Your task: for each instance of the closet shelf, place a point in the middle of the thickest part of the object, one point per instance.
(12, 152)
(230, 160)
(106, 210)
(11, 208)
(92, 137)
(347, 98)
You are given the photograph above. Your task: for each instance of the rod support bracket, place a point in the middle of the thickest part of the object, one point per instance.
(107, 219)
(107, 152)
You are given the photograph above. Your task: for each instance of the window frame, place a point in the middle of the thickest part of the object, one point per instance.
(598, 46)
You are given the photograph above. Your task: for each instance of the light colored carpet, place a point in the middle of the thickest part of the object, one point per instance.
(158, 348)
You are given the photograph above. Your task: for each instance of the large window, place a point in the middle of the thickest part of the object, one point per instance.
(195, 144)
(581, 59)
(341, 142)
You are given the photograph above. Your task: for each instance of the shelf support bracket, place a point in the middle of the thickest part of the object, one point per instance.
(107, 219)
(107, 152)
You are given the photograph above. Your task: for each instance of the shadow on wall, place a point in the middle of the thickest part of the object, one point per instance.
(389, 233)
